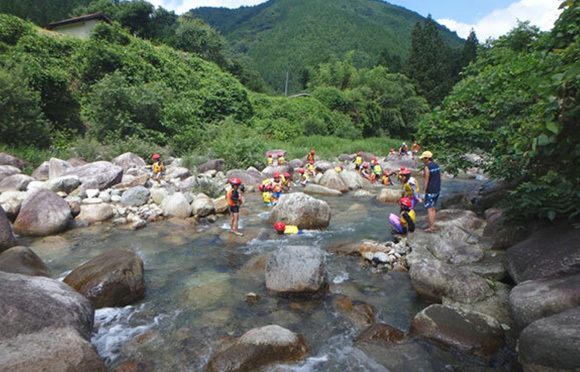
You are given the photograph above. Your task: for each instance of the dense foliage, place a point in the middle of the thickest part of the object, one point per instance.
(291, 35)
(519, 104)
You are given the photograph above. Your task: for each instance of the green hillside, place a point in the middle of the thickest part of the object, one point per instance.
(287, 35)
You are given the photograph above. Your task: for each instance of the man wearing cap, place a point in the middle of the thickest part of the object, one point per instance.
(431, 187)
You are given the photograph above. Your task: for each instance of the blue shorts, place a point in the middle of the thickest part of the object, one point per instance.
(431, 200)
(276, 195)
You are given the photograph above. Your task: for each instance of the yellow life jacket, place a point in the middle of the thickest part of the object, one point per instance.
(338, 169)
(266, 197)
(378, 169)
(158, 167)
(281, 160)
(386, 180)
(270, 161)
(408, 187)
(266, 181)
(411, 214)
(291, 230)
(358, 160)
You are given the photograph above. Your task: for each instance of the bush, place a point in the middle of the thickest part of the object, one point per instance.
(13, 28)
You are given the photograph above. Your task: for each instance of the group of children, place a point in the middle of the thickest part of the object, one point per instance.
(272, 188)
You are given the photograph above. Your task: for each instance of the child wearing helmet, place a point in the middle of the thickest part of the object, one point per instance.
(304, 177)
(338, 168)
(270, 160)
(386, 179)
(404, 223)
(410, 187)
(415, 148)
(234, 198)
(280, 158)
(378, 170)
(283, 229)
(358, 161)
(366, 171)
(287, 181)
(158, 168)
(267, 195)
(277, 186)
(311, 155)
(311, 169)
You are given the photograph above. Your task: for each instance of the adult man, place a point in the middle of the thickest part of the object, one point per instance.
(431, 187)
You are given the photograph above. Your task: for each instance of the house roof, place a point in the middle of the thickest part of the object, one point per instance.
(84, 18)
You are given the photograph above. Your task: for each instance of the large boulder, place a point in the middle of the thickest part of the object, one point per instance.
(7, 239)
(468, 332)
(22, 260)
(296, 271)
(7, 159)
(113, 278)
(352, 179)
(302, 210)
(221, 204)
(552, 343)
(455, 245)
(434, 280)
(129, 160)
(176, 205)
(333, 180)
(63, 183)
(202, 205)
(248, 177)
(7, 171)
(359, 313)
(547, 253)
(58, 167)
(18, 182)
(313, 189)
(390, 195)
(95, 212)
(269, 171)
(46, 326)
(535, 299)
(98, 175)
(136, 196)
(214, 164)
(178, 173)
(11, 202)
(41, 173)
(42, 213)
(459, 217)
(259, 347)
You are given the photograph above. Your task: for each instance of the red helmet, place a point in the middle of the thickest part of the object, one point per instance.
(358, 153)
(374, 158)
(312, 152)
(279, 154)
(365, 165)
(406, 202)
(341, 166)
(404, 172)
(311, 161)
(277, 174)
(269, 155)
(155, 156)
(279, 226)
(300, 170)
(403, 167)
(261, 187)
(268, 187)
(386, 173)
(286, 175)
(235, 181)
(392, 150)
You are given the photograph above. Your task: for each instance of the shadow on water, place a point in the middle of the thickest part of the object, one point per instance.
(197, 279)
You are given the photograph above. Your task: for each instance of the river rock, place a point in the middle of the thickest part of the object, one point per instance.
(22, 260)
(128, 181)
(202, 205)
(213, 164)
(77, 161)
(296, 271)
(323, 166)
(158, 194)
(333, 180)
(362, 194)
(96, 212)
(7, 171)
(501, 236)
(548, 252)
(468, 332)
(42, 213)
(390, 195)
(129, 160)
(434, 279)
(269, 171)
(248, 177)
(458, 217)
(58, 167)
(18, 182)
(176, 205)
(221, 204)
(296, 163)
(361, 314)
(41, 173)
(179, 173)
(64, 183)
(313, 189)
(136, 196)
(113, 278)
(7, 239)
(352, 179)
(383, 334)
(551, 344)
(302, 210)
(535, 299)
(259, 347)
(98, 175)
(452, 245)
(7, 159)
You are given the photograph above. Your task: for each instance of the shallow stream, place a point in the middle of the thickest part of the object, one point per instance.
(197, 278)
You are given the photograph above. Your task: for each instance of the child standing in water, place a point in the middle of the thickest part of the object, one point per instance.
(404, 223)
(234, 199)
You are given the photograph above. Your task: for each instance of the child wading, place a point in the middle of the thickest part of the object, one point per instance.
(406, 222)
(234, 200)
(282, 228)
(158, 168)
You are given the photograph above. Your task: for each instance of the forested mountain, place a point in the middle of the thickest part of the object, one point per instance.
(289, 35)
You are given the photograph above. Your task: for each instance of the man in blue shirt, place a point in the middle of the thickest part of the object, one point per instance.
(431, 187)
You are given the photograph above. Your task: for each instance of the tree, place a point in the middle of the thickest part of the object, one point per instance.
(391, 61)
(469, 51)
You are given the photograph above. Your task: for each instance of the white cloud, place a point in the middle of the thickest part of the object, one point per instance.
(540, 13)
(182, 6)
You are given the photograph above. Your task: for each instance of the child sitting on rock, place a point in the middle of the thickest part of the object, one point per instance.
(404, 223)
(267, 198)
(304, 177)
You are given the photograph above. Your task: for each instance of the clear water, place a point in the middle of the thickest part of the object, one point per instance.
(197, 279)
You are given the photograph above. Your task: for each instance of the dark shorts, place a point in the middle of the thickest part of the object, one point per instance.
(357, 166)
(431, 200)
(234, 208)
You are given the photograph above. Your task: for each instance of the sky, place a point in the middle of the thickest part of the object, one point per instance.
(489, 18)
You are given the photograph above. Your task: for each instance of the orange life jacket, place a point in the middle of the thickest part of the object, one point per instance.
(231, 201)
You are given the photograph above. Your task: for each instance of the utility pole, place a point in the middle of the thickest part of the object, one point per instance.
(286, 86)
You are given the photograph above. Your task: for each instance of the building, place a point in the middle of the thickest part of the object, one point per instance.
(78, 26)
